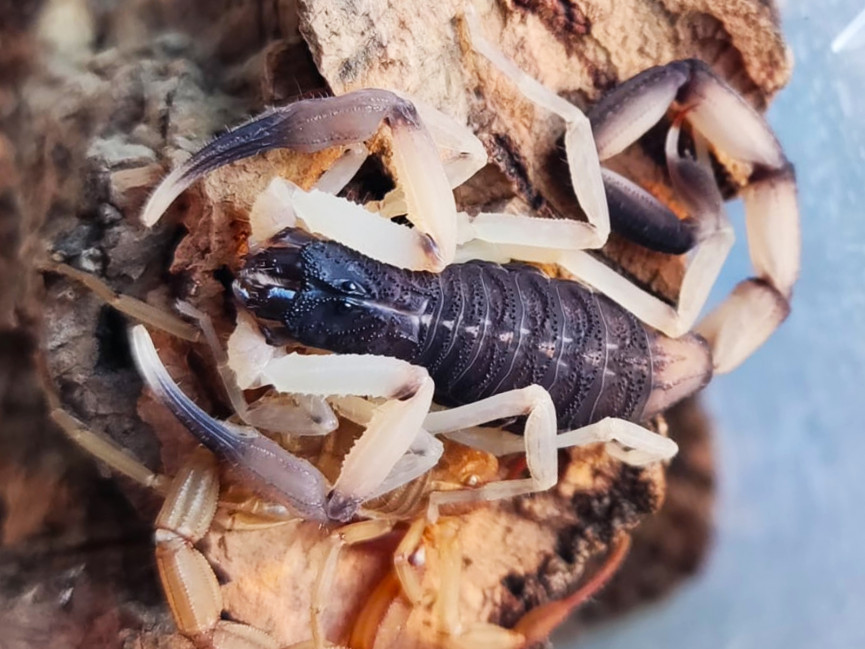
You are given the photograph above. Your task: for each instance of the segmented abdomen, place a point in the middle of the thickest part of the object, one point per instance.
(494, 328)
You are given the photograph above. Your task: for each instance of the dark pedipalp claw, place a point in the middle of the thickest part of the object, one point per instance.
(630, 109)
(305, 126)
(273, 471)
(640, 217)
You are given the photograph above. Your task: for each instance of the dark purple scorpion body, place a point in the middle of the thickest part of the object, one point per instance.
(479, 328)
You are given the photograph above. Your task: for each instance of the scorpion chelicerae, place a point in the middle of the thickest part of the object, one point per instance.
(489, 338)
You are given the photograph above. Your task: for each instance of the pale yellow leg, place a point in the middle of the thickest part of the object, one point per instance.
(133, 307)
(626, 441)
(346, 535)
(107, 451)
(407, 554)
(243, 511)
(453, 633)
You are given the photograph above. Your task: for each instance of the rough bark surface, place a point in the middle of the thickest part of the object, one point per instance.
(97, 101)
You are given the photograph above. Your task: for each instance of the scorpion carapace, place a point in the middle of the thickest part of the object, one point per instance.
(479, 328)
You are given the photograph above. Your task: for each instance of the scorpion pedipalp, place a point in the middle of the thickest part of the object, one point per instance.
(312, 125)
(272, 470)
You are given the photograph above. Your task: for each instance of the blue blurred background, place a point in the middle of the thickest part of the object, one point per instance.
(787, 568)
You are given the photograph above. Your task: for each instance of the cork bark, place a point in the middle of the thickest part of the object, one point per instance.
(99, 99)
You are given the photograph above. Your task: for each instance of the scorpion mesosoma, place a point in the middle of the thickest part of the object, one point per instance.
(493, 340)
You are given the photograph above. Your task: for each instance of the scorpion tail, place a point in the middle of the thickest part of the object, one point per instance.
(680, 367)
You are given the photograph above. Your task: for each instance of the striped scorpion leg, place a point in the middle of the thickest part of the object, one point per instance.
(313, 125)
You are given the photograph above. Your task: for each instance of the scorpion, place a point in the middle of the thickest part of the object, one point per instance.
(455, 308)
